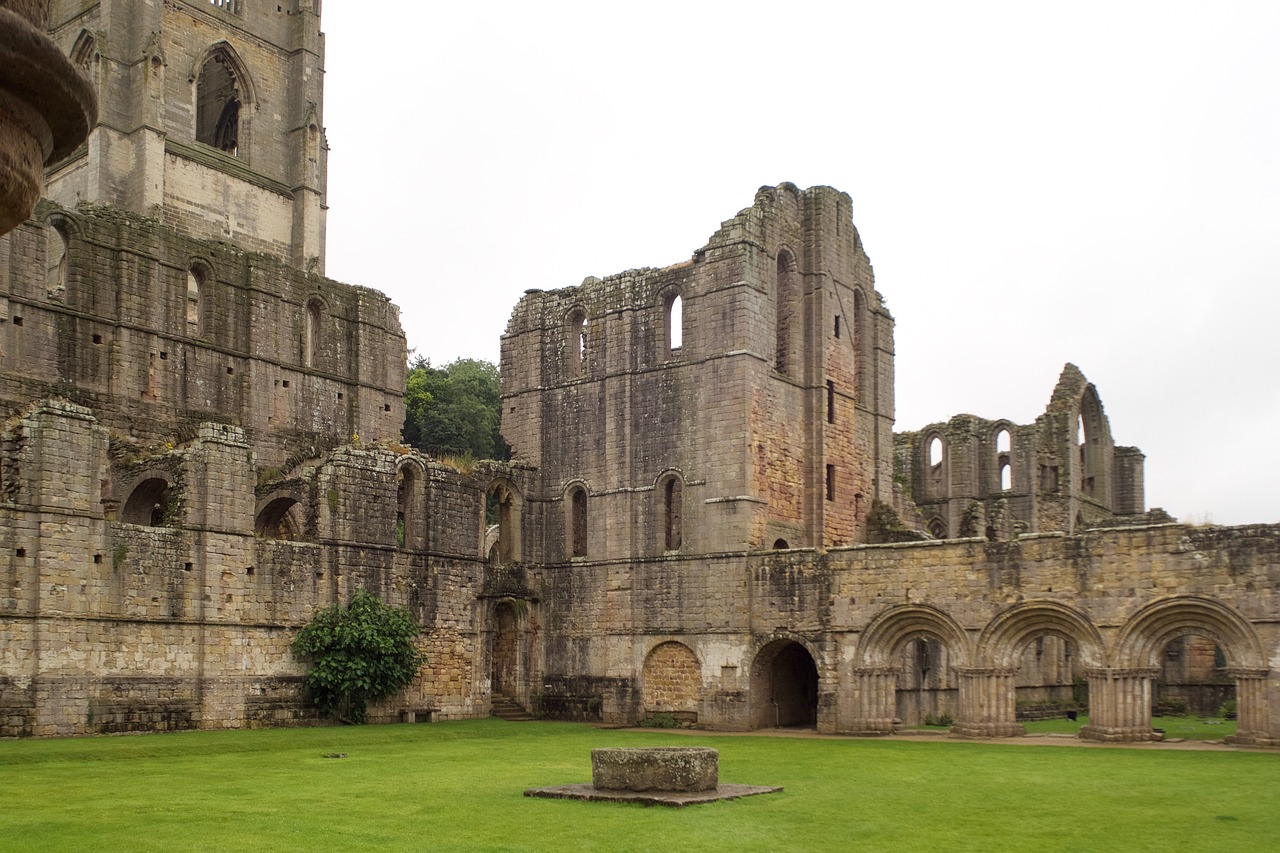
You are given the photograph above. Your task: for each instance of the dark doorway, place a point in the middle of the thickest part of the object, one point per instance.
(785, 686)
(505, 650)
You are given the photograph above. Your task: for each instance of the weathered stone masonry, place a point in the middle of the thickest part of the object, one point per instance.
(709, 515)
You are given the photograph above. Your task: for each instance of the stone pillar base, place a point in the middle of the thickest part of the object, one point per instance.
(1109, 734)
(988, 730)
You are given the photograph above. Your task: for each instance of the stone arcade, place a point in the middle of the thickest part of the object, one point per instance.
(709, 515)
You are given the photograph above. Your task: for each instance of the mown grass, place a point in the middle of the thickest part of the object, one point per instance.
(458, 786)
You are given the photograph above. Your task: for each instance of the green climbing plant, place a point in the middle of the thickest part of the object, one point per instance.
(358, 654)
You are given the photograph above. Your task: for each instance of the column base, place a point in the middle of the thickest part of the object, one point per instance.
(963, 729)
(1119, 735)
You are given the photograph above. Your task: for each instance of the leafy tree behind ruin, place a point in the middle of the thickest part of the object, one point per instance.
(359, 654)
(455, 410)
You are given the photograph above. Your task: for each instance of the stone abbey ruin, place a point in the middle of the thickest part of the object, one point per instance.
(708, 515)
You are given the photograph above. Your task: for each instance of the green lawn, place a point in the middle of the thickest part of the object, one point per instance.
(458, 786)
(1191, 728)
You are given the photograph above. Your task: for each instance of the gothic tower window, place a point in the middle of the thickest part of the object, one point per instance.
(218, 101)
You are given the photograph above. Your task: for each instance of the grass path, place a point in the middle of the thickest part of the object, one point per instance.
(458, 786)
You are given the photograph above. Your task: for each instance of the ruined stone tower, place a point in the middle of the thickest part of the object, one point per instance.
(211, 118)
(740, 400)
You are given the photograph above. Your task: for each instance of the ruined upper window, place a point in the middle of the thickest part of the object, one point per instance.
(1006, 476)
(231, 6)
(576, 342)
(312, 339)
(1002, 441)
(56, 242)
(935, 451)
(149, 504)
(503, 508)
(672, 513)
(410, 526)
(862, 352)
(788, 316)
(577, 532)
(218, 99)
(280, 519)
(673, 316)
(195, 300)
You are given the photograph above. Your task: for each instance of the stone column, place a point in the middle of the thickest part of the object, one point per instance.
(1120, 704)
(877, 700)
(988, 706)
(1252, 714)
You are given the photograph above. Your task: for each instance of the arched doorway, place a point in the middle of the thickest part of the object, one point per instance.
(505, 665)
(784, 686)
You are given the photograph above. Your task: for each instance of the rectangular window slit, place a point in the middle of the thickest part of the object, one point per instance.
(831, 401)
(831, 482)
(97, 558)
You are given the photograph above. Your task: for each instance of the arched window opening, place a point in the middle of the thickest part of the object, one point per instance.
(410, 503)
(780, 545)
(862, 353)
(672, 513)
(788, 316)
(503, 508)
(195, 288)
(1006, 476)
(279, 519)
(576, 340)
(312, 335)
(675, 324)
(578, 522)
(935, 451)
(1080, 434)
(218, 98)
(150, 504)
(56, 242)
(1002, 441)
(937, 528)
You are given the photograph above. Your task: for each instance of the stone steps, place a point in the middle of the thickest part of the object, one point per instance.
(506, 708)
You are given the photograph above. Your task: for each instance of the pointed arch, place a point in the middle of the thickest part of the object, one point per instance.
(223, 90)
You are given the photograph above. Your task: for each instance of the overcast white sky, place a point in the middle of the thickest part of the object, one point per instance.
(1035, 183)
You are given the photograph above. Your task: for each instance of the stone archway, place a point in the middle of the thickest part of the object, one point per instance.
(784, 686)
(504, 673)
